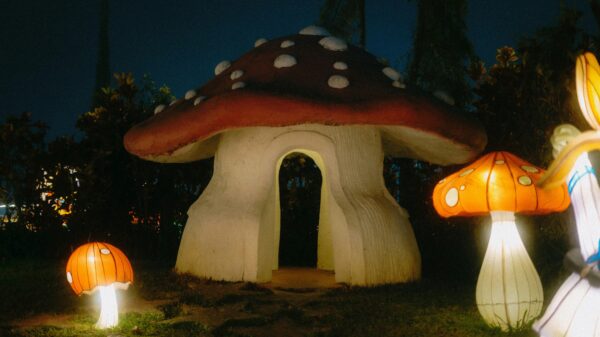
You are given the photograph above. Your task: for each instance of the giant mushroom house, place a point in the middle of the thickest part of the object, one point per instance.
(315, 94)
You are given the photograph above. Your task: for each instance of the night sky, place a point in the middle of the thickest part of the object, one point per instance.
(48, 48)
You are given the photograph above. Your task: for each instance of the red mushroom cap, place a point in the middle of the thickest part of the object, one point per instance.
(308, 85)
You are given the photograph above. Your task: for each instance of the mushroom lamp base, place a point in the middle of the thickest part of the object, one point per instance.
(109, 312)
(509, 291)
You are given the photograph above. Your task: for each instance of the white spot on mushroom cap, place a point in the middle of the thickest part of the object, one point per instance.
(466, 172)
(222, 66)
(529, 169)
(287, 44)
(69, 277)
(199, 99)
(190, 93)
(392, 74)
(338, 82)
(174, 102)
(399, 84)
(442, 181)
(260, 41)
(105, 251)
(159, 108)
(452, 197)
(524, 180)
(333, 43)
(236, 74)
(444, 96)
(284, 61)
(340, 65)
(462, 187)
(314, 30)
(238, 85)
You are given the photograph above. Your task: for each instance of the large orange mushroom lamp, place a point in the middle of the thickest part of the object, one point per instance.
(509, 291)
(100, 266)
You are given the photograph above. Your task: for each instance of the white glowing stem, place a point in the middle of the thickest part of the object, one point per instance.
(573, 311)
(109, 312)
(585, 198)
(509, 291)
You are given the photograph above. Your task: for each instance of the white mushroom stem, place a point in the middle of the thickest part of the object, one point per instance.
(573, 311)
(509, 291)
(232, 231)
(109, 311)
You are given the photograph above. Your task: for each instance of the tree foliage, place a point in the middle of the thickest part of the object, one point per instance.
(74, 191)
(530, 90)
(124, 199)
(21, 147)
(441, 49)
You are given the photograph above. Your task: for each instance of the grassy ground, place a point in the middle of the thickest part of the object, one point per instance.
(37, 301)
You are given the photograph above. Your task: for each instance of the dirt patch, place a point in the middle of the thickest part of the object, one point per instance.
(302, 278)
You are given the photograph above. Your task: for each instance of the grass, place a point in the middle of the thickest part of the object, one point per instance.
(186, 306)
(130, 324)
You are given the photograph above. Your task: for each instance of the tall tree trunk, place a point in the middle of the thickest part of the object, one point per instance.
(441, 49)
(103, 60)
(362, 23)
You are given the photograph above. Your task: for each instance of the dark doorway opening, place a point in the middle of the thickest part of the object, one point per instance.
(300, 199)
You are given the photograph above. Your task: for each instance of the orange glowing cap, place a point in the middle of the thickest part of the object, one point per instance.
(98, 264)
(498, 181)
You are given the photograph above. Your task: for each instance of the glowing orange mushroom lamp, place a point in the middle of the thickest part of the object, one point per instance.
(509, 291)
(100, 266)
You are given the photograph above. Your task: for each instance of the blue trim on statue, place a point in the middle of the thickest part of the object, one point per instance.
(594, 258)
(578, 175)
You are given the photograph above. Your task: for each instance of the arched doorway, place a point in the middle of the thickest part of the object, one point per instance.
(302, 230)
(300, 183)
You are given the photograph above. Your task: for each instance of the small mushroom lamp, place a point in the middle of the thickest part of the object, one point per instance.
(103, 267)
(573, 312)
(509, 291)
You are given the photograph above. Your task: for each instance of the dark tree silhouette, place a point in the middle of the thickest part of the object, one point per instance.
(103, 60)
(441, 49)
(345, 19)
(21, 150)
